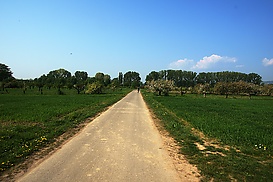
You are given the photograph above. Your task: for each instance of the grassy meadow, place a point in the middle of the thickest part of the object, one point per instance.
(30, 121)
(228, 139)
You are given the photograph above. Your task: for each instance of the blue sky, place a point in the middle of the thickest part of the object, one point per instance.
(113, 36)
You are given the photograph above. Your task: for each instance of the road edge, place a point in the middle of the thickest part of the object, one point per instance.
(185, 170)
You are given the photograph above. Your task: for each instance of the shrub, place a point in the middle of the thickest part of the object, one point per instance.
(94, 88)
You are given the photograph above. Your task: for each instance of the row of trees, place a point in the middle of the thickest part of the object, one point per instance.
(190, 78)
(62, 78)
(225, 83)
(163, 87)
(161, 82)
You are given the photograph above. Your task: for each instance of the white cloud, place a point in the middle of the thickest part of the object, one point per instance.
(207, 62)
(182, 64)
(267, 62)
(240, 66)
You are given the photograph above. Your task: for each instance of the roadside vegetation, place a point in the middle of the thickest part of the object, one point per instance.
(228, 139)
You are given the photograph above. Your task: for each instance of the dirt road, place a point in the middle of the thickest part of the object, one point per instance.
(122, 144)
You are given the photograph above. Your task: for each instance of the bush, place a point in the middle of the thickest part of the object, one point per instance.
(94, 88)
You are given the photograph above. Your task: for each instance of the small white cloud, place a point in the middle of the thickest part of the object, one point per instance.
(267, 62)
(182, 64)
(240, 66)
(209, 61)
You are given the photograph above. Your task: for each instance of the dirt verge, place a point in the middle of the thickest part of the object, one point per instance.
(186, 171)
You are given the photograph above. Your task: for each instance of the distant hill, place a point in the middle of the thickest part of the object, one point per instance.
(268, 82)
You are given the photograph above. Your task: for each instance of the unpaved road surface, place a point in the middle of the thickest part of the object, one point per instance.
(122, 144)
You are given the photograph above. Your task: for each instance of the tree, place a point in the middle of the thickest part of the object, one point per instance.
(188, 79)
(132, 79)
(5, 72)
(222, 88)
(128, 79)
(79, 86)
(5, 76)
(81, 75)
(267, 89)
(254, 78)
(171, 75)
(40, 82)
(206, 78)
(120, 78)
(99, 77)
(163, 74)
(106, 80)
(250, 89)
(183, 78)
(90, 80)
(79, 80)
(59, 78)
(152, 76)
(115, 83)
(60, 74)
(161, 86)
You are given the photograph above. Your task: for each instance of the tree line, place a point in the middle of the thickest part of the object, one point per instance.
(225, 83)
(62, 78)
(161, 82)
(190, 78)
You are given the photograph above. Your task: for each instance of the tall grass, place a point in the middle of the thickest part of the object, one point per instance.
(30, 121)
(243, 124)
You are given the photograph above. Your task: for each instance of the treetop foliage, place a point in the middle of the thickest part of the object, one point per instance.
(131, 79)
(5, 72)
(190, 78)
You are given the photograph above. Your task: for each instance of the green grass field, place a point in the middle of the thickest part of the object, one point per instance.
(239, 131)
(29, 122)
